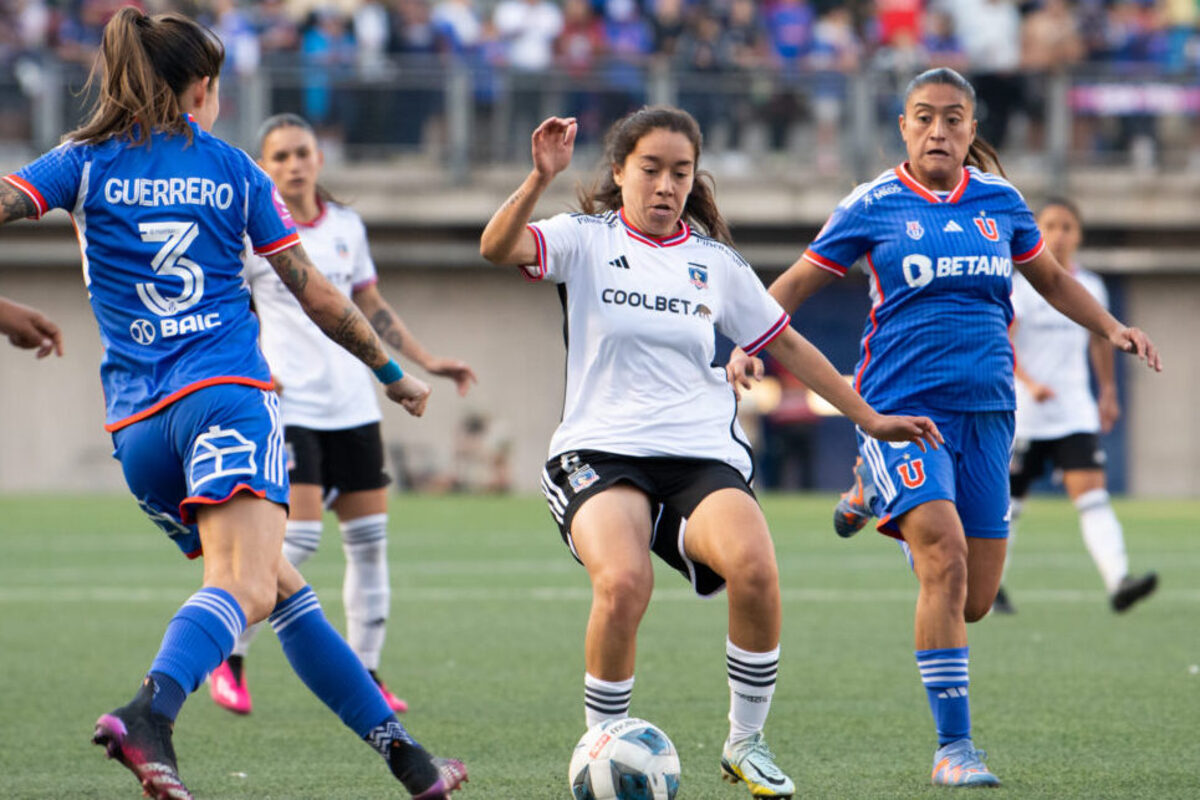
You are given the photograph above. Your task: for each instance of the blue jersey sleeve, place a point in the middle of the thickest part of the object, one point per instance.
(843, 240)
(53, 180)
(268, 222)
(1027, 242)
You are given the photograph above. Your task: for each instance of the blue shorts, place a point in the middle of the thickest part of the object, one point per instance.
(203, 449)
(970, 470)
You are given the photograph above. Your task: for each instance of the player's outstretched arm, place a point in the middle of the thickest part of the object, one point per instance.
(1067, 295)
(340, 319)
(506, 241)
(391, 329)
(807, 363)
(29, 329)
(14, 204)
(798, 283)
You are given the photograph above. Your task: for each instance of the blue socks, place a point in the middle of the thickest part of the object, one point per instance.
(327, 665)
(198, 638)
(944, 673)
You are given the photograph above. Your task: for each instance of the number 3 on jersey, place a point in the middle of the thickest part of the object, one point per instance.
(912, 472)
(170, 260)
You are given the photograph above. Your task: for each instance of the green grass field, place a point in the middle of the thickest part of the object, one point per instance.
(488, 609)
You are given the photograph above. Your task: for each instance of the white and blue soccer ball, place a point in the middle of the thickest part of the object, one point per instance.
(624, 759)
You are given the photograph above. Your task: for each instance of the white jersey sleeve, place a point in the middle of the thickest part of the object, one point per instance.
(749, 315)
(558, 241)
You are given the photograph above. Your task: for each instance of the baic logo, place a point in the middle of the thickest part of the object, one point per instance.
(142, 331)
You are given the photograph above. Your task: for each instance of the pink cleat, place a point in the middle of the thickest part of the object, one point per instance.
(397, 704)
(227, 684)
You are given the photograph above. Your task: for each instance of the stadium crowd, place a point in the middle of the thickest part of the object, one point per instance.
(793, 54)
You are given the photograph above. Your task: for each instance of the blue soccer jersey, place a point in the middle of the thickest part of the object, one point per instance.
(161, 229)
(940, 270)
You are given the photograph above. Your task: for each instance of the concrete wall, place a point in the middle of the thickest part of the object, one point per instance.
(51, 411)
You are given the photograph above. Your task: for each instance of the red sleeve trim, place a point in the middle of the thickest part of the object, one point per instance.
(820, 261)
(758, 344)
(537, 270)
(30, 190)
(355, 287)
(279, 245)
(184, 392)
(1026, 257)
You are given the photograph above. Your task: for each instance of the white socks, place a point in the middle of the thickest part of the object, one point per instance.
(605, 699)
(751, 687)
(1103, 536)
(366, 591)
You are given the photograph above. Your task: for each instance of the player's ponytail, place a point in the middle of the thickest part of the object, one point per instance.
(145, 64)
(980, 154)
(700, 210)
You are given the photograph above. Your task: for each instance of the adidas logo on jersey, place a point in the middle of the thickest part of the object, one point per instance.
(619, 262)
(952, 227)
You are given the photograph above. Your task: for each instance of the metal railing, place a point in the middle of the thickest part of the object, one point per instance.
(464, 116)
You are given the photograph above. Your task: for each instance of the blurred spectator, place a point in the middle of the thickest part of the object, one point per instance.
(991, 35)
(1181, 18)
(669, 22)
(237, 32)
(630, 43)
(529, 28)
(789, 29)
(326, 49)
(835, 53)
(458, 24)
(277, 28)
(898, 18)
(78, 36)
(580, 48)
(698, 55)
(1050, 43)
(941, 44)
(744, 53)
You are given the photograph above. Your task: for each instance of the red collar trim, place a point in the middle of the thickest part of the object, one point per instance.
(908, 180)
(679, 237)
(315, 221)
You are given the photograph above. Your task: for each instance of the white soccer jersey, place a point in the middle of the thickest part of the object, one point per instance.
(324, 387)
(1052, 350)
(641, 314)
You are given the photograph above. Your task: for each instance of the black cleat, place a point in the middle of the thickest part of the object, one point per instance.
(1002, 605)
(1132, 589)
(425, 777)
(141, 740)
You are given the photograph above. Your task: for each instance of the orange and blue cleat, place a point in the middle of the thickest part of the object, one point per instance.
(960, 764)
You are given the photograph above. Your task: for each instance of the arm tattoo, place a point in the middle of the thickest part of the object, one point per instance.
(381, 320)
(513, 199)
(345, 325)
(292, 268)
(14, 204)
(356, 337)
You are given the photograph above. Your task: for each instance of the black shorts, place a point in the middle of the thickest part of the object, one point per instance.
(346, 460)
(675, 487)
(1030, 457)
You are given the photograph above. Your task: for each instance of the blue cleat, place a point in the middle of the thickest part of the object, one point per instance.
(853, 511)
(960, 764)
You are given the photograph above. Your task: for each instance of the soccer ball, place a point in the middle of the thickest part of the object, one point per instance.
(624, 759)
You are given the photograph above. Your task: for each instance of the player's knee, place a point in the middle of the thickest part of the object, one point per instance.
(621, 593)
(757, 575)
(945, 566)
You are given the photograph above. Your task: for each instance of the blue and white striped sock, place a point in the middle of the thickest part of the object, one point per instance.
(327, 665)
(198, 638)
(944, 673)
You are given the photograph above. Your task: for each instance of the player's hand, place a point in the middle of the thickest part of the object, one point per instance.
(410, 392)
(1110, 409)
(30, 329)
(1039, 391)
(553, 145)
(890, 428)
(740, 369)
(458, 371)
(1135, 342)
